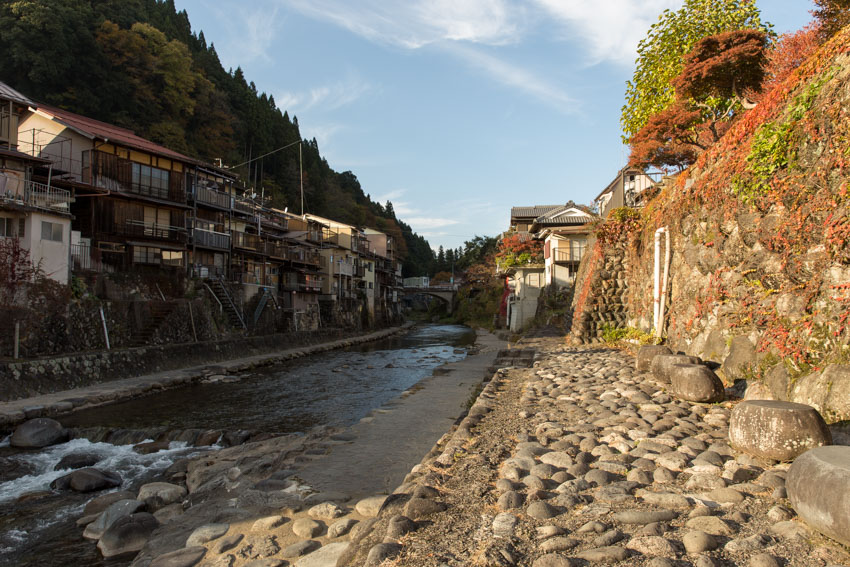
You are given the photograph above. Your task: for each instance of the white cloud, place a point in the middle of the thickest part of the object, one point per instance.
(517, 78)
(414, 24)
(426, 223)
(610, 29)
(251, 30)
(326, 97)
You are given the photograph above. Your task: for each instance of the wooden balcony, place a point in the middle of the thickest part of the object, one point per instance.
(246, 241)
(568, 256)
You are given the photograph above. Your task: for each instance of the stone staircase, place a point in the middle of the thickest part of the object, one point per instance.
(159, 312)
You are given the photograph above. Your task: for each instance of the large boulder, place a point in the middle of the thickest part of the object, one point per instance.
(818, 485)
(828, 392)
(77, 461)
(127, 535)
(695, 383)
(116, 510)
(38, 433)
(646, 353)
(88, 479)
(158, 495)
(662, 365)
(776, 430)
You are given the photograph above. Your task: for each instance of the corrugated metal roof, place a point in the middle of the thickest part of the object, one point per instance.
(8, 93)
(22, 156)
(115, 134)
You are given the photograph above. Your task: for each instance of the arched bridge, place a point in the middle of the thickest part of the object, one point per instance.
(445, 293)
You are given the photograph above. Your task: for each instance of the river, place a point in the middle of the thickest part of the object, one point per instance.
(335, 388)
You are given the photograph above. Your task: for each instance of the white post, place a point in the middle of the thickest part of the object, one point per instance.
(105, 330)
(659, 292)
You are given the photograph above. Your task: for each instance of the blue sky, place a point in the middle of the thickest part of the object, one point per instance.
(454, 110)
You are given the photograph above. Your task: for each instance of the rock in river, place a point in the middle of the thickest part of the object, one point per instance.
(38, 433)
(87, 480)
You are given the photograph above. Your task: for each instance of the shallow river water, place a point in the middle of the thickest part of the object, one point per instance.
(335, 388)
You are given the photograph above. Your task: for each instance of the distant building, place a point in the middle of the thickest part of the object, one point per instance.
(628, 189)
(38, 215)
(419, 281)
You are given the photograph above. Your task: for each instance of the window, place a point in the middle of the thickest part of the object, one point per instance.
(51, 231)
(7, 226)
(150, 180)
(172, 258)
(146, 255)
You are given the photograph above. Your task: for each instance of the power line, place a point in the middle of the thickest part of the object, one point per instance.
(264, 155)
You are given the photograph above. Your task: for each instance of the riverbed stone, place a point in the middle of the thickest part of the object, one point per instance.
(116, 510)
(327, 556)
(646, 353)
(307, 528)
(37, 433)
(341, 527)
(226, 543)
(369, 507)
(776, 430)
(300, 548)
(186, 557)
(711, 525)
(382, 552)
(77, 461)
(695, 383)
(159, 494)
(554, 560)
(325, 511)
(818, 486)
(662, 365)
(127, 535)
(100, 503)
(698, 541)
(641, 517)
(206, 533)
(653, 546)
(88, 479)
(604, 555)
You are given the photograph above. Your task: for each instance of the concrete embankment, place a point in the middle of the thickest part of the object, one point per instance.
(265, 351)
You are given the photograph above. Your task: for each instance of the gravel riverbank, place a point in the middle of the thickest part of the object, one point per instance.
(579, 460)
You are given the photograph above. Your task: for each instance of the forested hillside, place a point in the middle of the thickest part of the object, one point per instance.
(138, 64)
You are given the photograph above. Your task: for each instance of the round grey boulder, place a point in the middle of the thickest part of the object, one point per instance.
(127, 535)
(818, 485)
(695, 383)
(776, 430)
(104, 521)
(662, 364)
(37, 433)
(87, 480)
(646, 353)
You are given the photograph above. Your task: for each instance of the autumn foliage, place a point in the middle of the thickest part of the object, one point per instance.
(788, 53)
(517, 249)
(711, 91)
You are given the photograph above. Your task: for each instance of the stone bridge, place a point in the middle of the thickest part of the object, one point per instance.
(446, 294)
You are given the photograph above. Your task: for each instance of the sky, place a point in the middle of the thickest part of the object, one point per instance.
(453, 110)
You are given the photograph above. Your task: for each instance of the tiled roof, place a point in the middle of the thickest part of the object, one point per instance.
(534, 211)
(8, 93)
(567, 218)
(115, 134)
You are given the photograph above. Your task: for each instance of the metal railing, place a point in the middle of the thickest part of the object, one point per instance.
(151, 230)
(211, 197)
(211, 239)
(38, 195)
(85, 258)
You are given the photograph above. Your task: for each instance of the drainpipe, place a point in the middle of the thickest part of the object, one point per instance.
(660, 289)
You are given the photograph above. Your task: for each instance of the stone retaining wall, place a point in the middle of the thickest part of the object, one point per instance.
(24, 379)
(602, 289)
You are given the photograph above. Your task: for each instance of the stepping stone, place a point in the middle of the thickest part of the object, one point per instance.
(695, 383)
(647, 353)
(186, 557)
(818, 486)
(662, 365)
(324, 557)
(206, 533)
(776, 430)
